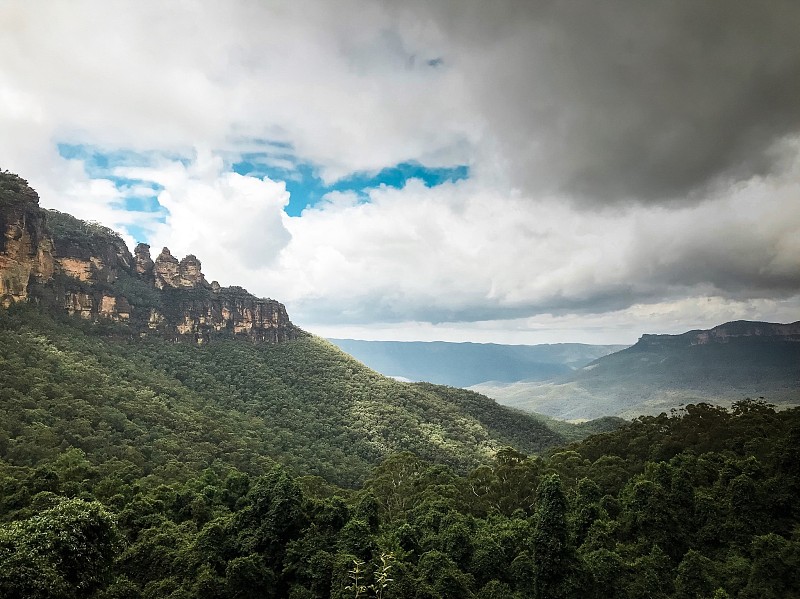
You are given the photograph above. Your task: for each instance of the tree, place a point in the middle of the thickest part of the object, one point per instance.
(395, 482)
(605, 570)
(695, 576)
(586, 509)
(441, 576)
(775, 570)
(64, 552)
(249, 578)
(553, 559)
(273, 515)
(650, 576)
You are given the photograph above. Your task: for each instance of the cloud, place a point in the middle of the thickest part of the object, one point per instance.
(233, 223)
(601, 102)
(626, 100)
(622, 160)
(463, 252)
(621, 326)
(743, 243)
(332, 80)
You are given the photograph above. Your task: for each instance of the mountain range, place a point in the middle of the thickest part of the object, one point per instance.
(465, 364)
(727, 363)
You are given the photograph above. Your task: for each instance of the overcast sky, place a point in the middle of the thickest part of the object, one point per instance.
(506, 171)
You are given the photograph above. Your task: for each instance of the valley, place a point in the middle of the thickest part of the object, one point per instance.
(166, 437)
(728, 363)
(467, 364)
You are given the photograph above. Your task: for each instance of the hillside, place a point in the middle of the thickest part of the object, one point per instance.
(302, 403)
(698, 504)
(164, 437)
(121, 356)
(465, 364)
(727, 363)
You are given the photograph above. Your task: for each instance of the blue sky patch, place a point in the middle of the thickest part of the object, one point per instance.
(306, 188)
(100, 162)
(137, 195)
(275, 161)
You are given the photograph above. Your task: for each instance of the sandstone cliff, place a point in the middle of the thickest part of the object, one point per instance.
(739, 330)
(26, 252)
(87, 270)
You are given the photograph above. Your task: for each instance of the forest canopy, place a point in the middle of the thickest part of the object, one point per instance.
(138, 468)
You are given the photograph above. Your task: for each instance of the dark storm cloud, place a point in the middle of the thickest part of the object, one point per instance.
(726, 260)
(625, 99)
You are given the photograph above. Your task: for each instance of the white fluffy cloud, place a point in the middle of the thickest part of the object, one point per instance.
(344, 91)
(463, 253)
(233, 223)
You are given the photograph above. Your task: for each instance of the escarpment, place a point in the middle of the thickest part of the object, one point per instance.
(26, 251)
(86, 270)
(739, 331)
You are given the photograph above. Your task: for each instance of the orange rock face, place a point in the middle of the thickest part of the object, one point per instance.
(87, 271)
(25, 251)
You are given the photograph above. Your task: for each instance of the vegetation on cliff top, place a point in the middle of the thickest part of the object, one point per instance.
(14, 189)
(68, 229)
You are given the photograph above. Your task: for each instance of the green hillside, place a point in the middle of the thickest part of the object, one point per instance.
(701, 504)
(176, 408)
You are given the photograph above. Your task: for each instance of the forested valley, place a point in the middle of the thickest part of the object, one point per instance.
(554, 248)
(143, 468)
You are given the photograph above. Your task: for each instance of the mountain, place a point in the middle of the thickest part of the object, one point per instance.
(465, 364)
(179, 406)
(160, 437)
(85, 269)
(144, 361)
(721, 365)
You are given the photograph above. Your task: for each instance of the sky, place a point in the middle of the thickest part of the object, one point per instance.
(457, 170)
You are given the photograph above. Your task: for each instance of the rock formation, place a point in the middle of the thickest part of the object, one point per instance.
(169, 272)
(738, 331)
(86, 270)
(144, 264)
(26, 252)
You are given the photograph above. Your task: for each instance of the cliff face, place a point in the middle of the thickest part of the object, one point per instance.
(736, 331)
(26, 252)
(743, 328)
(87, 270)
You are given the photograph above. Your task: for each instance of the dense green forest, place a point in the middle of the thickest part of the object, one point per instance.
(171, 409)
(137, 468)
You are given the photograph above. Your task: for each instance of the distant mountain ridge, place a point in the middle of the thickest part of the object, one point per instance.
(727, 332)
(727, 363)
(465, 364)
